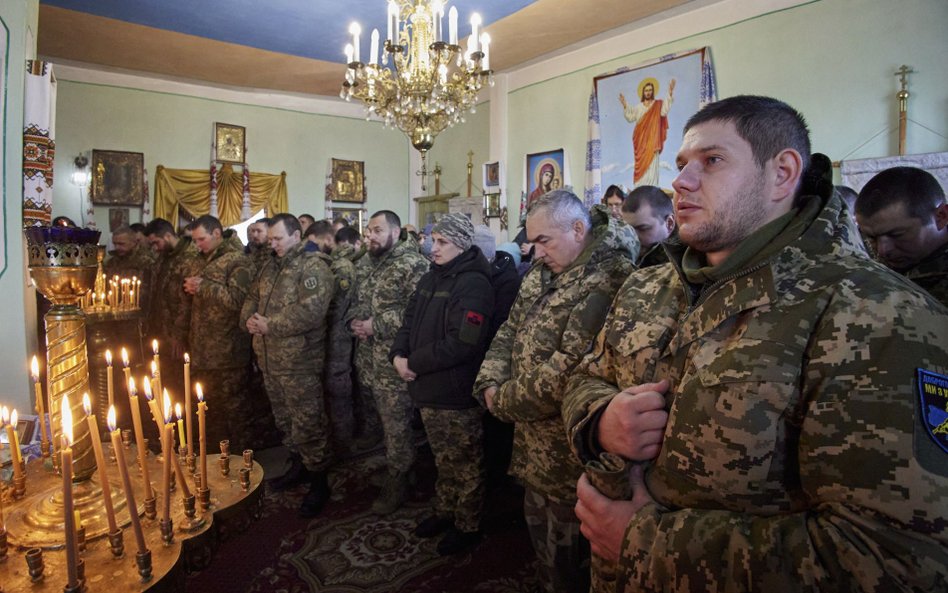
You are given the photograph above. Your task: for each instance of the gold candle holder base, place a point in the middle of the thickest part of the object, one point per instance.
(34, 563)
(191, 522)
(143, 561)
(191, 462)
(167, 531)
(127, 438)
(204, 498)
(3, 543)
(45, 449)
(248, 458)
(116, 543)
(151, 508)
(244, 479)
(224, 462)
(19, 486)
(225, 447)
(81, 538)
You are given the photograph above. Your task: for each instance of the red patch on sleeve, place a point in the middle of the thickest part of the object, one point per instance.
(474, 318)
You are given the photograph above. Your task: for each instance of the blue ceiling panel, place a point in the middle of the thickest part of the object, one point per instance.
(310, 29)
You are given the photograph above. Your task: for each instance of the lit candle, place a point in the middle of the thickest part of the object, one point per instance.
(108, 364)
(100, 461)
(11, 437)
(453, 26)
(355, 30)
(475, 23)
(154, 350)
(202, 433)
(485, 47)
(167, 435)
(14, 419)
(153, 405)
(392, 22)
(182, 442)
(437, 11)
(156, 379)
(116, 436)
(139, 436)
(69, 518)
(40, 401)
(374, 47)
(175, 464)
(187, 403)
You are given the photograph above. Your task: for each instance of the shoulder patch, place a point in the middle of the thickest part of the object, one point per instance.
(472, 327)
(310, 283)
(932, 414)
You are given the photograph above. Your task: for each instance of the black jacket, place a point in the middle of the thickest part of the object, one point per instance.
(506, 282)
(445, 331)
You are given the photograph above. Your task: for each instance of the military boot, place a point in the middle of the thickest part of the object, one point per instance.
(317, 497)
(297, 474)
(393, 494)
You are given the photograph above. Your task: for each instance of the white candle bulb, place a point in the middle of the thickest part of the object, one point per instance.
(348, 51)
(485, 47)
(475, 23)
(355, 30)
(392, 22)
(374, 55)
(453, 26)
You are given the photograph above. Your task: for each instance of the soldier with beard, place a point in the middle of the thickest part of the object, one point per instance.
(258, 245)
(178, 259)
(375, 317)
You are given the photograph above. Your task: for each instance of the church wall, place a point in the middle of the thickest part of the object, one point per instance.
(451, 148)
(176, 131)
(832, 59)
(19, 340)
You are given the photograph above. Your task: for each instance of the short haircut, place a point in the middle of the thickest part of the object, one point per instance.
(391, 218)
(123, 230)
(347, 234)
(916, 188)
(159, 227)
(340, 220)
(563, 208)
(613, 190)
(309, 216)
(290, 222)
(208, 223)
(657, 199)
(263, 220)
(137, 227)
(320, 228)
(767, 124)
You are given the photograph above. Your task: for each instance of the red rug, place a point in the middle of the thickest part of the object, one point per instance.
(349, 549)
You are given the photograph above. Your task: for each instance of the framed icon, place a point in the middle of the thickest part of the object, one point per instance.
(348, 181)
(354, 216)
(230, 142)
(118, 178)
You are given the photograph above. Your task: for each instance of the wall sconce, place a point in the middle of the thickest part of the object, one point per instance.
(81, 175)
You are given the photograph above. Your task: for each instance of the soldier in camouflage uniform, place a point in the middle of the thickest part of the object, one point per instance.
(178, 259)
(220, 349)
(904, 217)
(258, 245)
(374, 319)
(130, 259)
(286, 313)
(367, 426)
(583, 257)
(769, 377)
(649, 211)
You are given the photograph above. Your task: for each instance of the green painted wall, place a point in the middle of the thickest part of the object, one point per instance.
(832, 59)
(176, 131)
(451, 148)
(19, 341)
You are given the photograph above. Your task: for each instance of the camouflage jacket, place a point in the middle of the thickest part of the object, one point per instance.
(932, 274)
(216, 340)
(344, 276)
(293, 292)
(382, 292)
(793, 458)
(171, 306)
(259, 255)
(653, 256)
(140, 262)
(551, 326)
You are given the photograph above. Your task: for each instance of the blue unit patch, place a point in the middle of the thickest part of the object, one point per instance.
(933, 400)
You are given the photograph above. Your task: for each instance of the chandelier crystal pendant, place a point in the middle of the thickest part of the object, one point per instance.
(424, 83)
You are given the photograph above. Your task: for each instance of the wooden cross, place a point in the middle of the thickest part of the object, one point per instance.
(903, 96)
(470, 170)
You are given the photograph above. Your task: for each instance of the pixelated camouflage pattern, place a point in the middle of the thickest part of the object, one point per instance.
(792, 457)
(338, 373)
(562, 552)
(457, 442)
(365, 413)
(300, 415)
(217, 340)
(653, 256)
(382, 292)
(171, 306)
(259, 255)
(293, 292)
(551, 326)
(140, 262)
(932, 275)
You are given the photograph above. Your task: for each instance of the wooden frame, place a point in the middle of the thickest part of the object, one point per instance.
(491, 176)
(355, 216)
(230, 143)
(347, 182)
(118, 178)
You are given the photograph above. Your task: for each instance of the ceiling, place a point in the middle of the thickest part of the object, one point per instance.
(295, 45)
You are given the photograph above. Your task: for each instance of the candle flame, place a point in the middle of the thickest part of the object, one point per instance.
(86, 404)
(167, 406)
(146, 385)
(187, 359)
(35, 368)
(355, 29)
(177, 411)
(67, 421)
(110, 419)
(124, 357)
(154, 346)
(5, 414)
(199, 391)
(13, 418)
(108, 357)
(475, 19)
(131, 386)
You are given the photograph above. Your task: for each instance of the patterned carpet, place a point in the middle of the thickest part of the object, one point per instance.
(348, 549)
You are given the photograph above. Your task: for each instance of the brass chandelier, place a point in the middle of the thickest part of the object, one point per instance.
(425, 83)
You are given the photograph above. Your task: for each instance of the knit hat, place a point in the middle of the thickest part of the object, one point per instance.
(484, 239)
(456, 228)
(513, 249)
